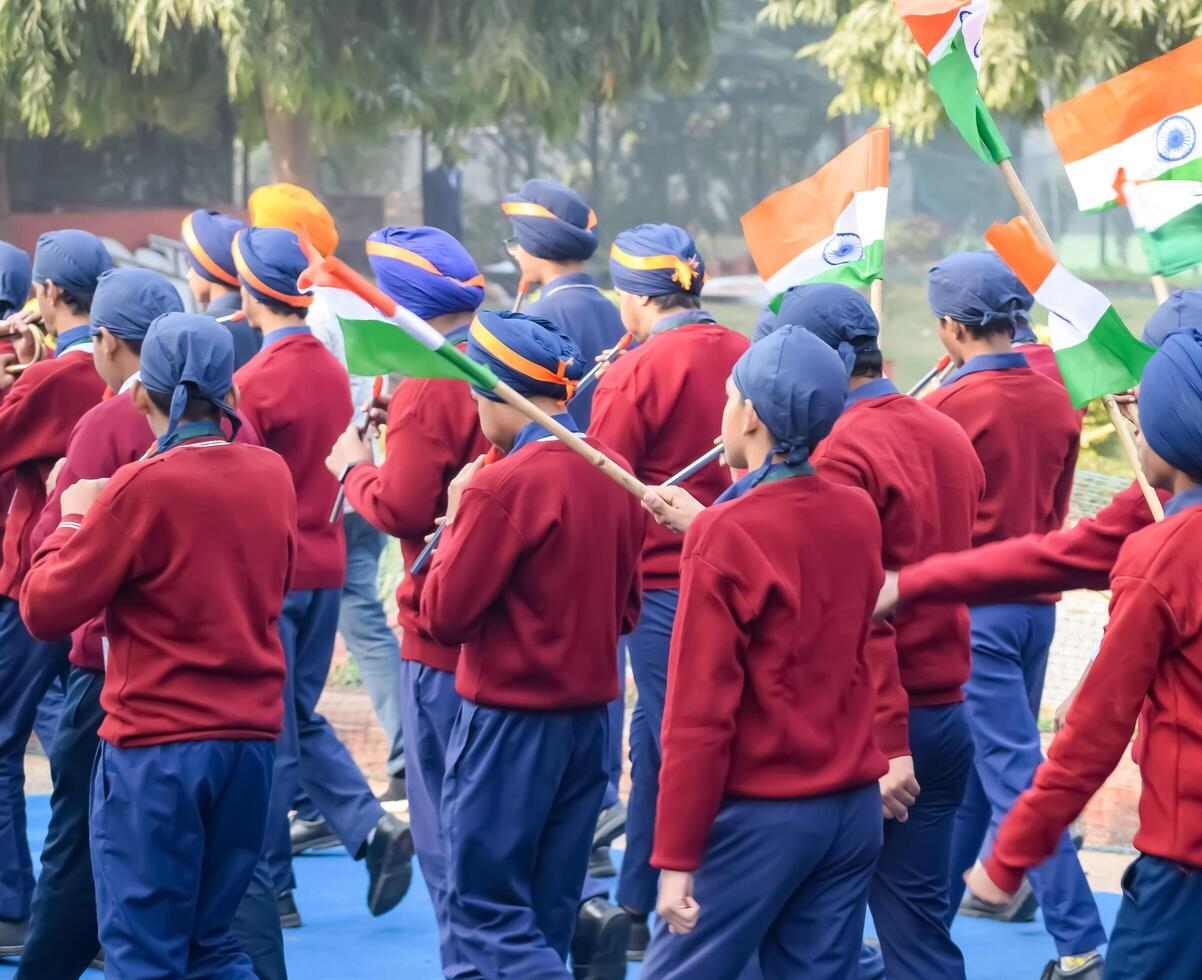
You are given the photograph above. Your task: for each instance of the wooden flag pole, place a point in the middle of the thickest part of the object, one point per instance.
(876, 299)
(1126, 440)
(1160, 286)
(573, 441)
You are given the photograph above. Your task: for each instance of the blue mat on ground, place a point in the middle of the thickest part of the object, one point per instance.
(340, 939)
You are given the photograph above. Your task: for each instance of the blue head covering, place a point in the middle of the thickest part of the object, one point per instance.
(765, 323)
(1181, 311)
(655, 260)
(209, 236)
(528, 353)
(425, 270)
(128, 300)
(797, 386)
(72, 259)
(552, 221)
(16, 276)
(185, 356)
(978, 288)
(269, 261)
(837, 315)
(1170, 401)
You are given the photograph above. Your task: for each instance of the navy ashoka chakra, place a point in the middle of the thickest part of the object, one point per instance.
(843, 248)
(1176, 138)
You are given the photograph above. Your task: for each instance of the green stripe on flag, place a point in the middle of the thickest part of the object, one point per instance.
(377, 347)
(1176, 245)
(1109, 360)
(870, 266)
(955, 82)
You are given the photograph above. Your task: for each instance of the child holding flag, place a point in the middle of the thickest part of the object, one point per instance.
(433, 431)
(660, 407)
(36, 418)
(538, 600)
(1026, 435)
(192, 683)
(922, 474)
(1147, 673)
(769, 761)
(302, 429)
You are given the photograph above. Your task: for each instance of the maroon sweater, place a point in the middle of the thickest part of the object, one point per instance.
(433, 432)
(298, 398)
(1148, 671)
(660, 407)
(526, 583)
(189, 554)
(107, 437)
(36, 418)
(924, 478)
(769, 688)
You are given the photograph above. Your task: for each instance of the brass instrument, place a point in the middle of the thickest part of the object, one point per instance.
(40, 345)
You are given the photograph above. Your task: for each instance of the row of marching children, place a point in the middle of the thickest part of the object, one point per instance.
(795, 759)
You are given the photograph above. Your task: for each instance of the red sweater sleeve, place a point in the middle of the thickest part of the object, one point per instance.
(1080, 557)
(617, 422)
(1098, 730)
(471, 567)
(705, 685)
(24, 436)
(77, 570)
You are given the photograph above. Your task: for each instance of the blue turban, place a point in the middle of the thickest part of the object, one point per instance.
(269, 261)
(16, 276)
(1181, 311)
(1170, 402)
(837, 315)
(528, 353)
(184, 357)
(655, 260)
(766, 323)
(552, 221)
(426, 270)
(978, 288)
(128, 300)
(71, 259)
(797, 386)
(209, 237)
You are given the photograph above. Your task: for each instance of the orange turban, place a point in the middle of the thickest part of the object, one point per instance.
(294, 208)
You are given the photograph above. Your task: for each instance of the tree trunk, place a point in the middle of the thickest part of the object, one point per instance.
(594, 158)
(5, 198)
(288, 138)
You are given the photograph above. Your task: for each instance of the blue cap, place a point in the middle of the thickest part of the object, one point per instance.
(209, 237)
(72, 259)
(1170, 401)
(528, 353)
(128, 300)
(16, 276)
(837, 315)
(1181, 311)
(978, 288)
(552, 222)
(269, 262)
(426, 270)
(655, 260)
(797, 386)
(185, 356)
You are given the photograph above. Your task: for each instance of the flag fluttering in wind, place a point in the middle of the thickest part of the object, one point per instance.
(829, 227)
(949, 33)
(1096, 353)
(381, 336)
(1144, 122)
(1168, 215)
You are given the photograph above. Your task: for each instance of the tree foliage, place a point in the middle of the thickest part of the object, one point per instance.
(1036, 52)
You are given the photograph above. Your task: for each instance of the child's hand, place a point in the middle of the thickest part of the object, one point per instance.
(674, 507)
(350, 448)
(981, 885)
(676, 905)
(79, 497)
(899, 789)
(52, 476)
(460, 483)
(887, 601)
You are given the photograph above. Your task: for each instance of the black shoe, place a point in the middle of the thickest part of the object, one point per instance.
(600, 864)
(389, 857)
(610, 825)
(12, 936)
(396, 790)
(640, 936)
(1020, 908)
(311, 835)
(1090, 968)
(600, 943)
(289, 913)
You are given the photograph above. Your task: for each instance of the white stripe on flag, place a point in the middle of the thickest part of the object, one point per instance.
(1075, 306)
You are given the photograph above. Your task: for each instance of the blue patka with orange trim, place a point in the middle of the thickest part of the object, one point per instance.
(552, 222)
(269, 261)
(209, 238)
(655, 260)
(528, 353)
(426, 270)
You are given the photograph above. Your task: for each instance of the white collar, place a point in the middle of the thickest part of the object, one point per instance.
(129, 382)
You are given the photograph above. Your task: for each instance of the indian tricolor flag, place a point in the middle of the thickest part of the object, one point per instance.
(382, 336)
(829, 227)
(1143, 123)
(949, 33)
(1168, 215)
(1096, 353)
